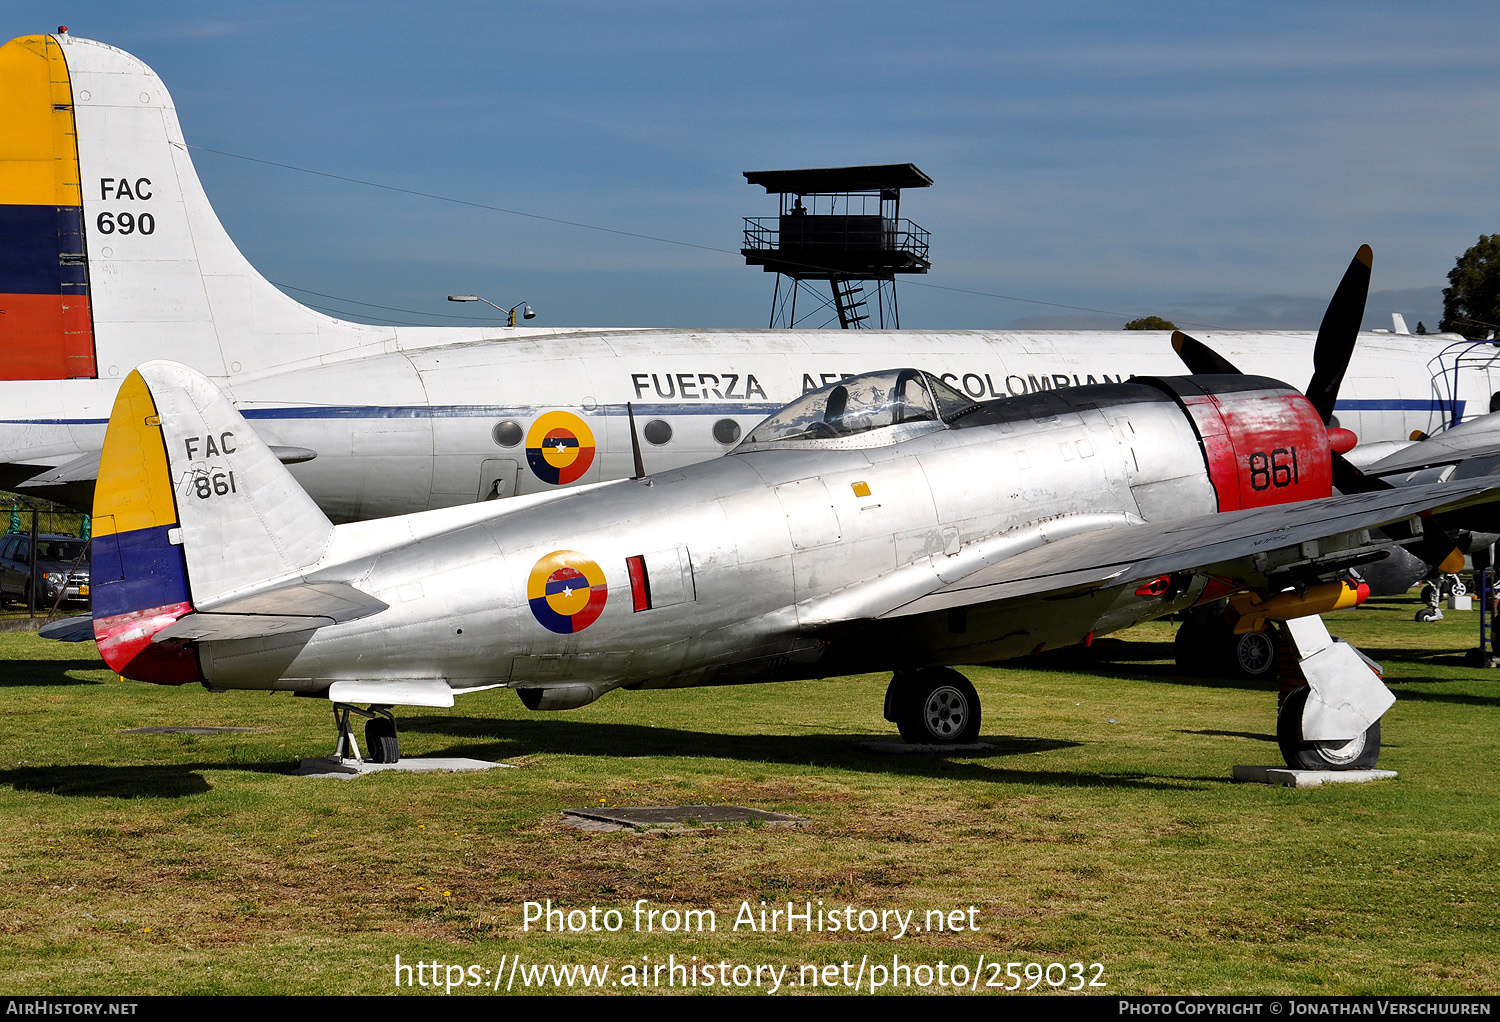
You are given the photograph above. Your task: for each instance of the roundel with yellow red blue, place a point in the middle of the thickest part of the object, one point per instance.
(559, 448)
(566, 591)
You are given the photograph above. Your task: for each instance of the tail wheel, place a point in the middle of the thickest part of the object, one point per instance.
(381, 743)
(1360, 753)
(935, 705)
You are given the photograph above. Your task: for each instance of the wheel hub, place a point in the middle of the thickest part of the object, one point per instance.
(946, 712)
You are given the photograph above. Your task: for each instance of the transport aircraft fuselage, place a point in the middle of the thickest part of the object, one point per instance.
(116, 257)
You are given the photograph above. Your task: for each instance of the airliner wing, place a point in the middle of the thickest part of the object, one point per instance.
(1469, 441)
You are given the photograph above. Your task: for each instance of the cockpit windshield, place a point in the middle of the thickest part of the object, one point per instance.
(859, 404)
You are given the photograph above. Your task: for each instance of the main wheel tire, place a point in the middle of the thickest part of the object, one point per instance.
(1361, 753)
(381, 742)
(1256, 655)
(936, 706)
(1206, 648)
(1188, 647)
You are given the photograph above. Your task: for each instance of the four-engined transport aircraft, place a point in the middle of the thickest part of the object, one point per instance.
(112, 256)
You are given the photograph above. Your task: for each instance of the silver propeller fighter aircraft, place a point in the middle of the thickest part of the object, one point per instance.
(883, 522)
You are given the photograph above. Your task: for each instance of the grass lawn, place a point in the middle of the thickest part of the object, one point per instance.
(1102, 827)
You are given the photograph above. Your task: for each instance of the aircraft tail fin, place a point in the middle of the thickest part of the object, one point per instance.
(191, 510)
(110, 254)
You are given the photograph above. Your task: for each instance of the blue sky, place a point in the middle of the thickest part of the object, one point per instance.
(1214, 163)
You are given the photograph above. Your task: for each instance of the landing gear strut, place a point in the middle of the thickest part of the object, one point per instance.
(1433, 594)
(933, 706)
(380, 734)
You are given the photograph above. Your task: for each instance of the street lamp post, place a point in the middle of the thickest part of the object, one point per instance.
(510, 313)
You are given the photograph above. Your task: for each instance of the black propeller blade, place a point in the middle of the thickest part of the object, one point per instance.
(1331, 354)
(1338, 332)
(1200, 358)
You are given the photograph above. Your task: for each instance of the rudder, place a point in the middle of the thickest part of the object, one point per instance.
(46, 325)
(110, 252)
(191, 509)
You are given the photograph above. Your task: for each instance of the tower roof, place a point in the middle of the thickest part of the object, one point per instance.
(822, 180)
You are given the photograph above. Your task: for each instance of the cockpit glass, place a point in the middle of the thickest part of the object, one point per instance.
(854, 405)
(951, 404)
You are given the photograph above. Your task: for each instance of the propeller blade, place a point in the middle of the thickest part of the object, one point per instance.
(1436, 547)
(1200, 358)
(1338, 332)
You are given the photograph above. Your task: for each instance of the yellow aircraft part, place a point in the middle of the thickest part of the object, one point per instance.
(134, 490)
(38, 140)
(1453, 563)
(1249, 613)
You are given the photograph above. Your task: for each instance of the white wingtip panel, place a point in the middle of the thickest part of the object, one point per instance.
(244, 519)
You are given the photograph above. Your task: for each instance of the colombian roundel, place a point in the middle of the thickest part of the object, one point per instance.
(566, 591)
(559, 448)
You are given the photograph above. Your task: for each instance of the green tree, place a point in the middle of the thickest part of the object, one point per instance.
(1471, 302)
(1150, 323)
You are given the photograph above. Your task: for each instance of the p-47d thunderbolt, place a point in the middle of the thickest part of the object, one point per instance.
(885, 522)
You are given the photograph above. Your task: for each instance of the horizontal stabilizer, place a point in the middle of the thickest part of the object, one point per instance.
(69, 629)
(219, 627)
(84, 468)
(337, 601)
(289, 608)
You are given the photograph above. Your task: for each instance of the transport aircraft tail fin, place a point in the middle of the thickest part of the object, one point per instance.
(196, 519)
(110, 254)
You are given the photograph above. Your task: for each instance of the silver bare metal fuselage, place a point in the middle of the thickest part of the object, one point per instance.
(750, 554)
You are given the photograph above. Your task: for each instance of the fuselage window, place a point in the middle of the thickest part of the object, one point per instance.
(657, 432)
(507, 433)
(727, 431)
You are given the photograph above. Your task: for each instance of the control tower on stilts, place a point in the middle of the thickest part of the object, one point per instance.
(841, 225)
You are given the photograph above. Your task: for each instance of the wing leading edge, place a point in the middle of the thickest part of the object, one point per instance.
(1249, 545)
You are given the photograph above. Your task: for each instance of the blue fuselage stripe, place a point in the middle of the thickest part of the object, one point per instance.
(332, 412)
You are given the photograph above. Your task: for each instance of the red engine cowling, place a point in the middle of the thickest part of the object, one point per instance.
(1263, 442)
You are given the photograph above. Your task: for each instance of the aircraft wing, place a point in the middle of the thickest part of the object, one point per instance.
(1317, 535)
(1469, 440)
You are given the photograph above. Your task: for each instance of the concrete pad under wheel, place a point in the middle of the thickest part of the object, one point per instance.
(1286, 777)
(327, 766)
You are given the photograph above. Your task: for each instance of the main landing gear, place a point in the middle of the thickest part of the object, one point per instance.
(1207, 645)
(933, 706)
(1435, 592)
(380, 734)
(1359, 753)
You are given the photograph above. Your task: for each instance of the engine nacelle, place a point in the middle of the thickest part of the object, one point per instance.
(1263, 442)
